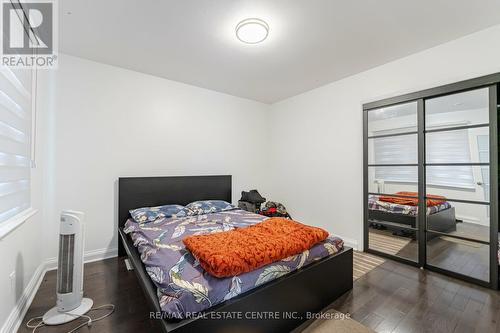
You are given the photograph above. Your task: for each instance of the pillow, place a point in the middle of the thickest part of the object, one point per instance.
(221, 205)
(150, 214)
(208, 206)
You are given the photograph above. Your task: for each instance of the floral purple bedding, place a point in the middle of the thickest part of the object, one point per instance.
(389, 207)
(184, 288)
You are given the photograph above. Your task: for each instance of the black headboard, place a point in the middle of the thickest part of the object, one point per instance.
(136, 192)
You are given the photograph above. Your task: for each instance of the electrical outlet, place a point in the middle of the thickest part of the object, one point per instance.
(12, 277)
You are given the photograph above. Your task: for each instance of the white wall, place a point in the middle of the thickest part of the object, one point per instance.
(318, 149)
(107, 122)
(20, 254)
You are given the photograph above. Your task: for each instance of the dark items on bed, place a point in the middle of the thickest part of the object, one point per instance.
(252, 196)
(251, 201)
(248, 206)
(332, 275)
(274, 209)
(270, 209)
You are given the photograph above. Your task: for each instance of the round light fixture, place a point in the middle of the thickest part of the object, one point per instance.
(252, 31)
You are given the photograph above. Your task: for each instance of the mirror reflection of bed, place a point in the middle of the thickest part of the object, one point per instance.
(459, 255)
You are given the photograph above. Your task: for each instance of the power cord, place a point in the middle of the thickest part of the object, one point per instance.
(87, 323)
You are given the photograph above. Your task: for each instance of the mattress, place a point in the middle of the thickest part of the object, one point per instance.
(184, 288)
(375, 204)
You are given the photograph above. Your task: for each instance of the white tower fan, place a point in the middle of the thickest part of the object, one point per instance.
(70, 302)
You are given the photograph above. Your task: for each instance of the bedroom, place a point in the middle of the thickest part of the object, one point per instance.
(173, 92)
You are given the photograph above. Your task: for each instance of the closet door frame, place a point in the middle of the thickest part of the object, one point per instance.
(490, 81)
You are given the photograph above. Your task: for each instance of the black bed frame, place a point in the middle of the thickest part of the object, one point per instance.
(290, 298)
(442, 221)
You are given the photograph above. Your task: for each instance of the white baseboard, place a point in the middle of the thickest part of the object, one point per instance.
(474, 220)
(17, 314)
(89, 256)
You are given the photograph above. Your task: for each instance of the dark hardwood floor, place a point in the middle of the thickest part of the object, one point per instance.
(399, 298)
(106, 281)
(391, 298)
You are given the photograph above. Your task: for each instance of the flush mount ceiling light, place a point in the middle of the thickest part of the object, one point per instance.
(252, 31)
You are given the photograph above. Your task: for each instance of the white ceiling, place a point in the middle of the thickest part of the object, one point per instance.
(311, 42)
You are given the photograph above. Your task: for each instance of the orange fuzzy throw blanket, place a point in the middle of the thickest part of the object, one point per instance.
(241, 250)
(432, 200)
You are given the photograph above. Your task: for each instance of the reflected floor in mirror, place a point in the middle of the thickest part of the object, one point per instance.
(456, 255)
(472, 230)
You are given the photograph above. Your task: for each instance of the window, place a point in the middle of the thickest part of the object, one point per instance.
(15, 140)
(484, 157)
(441, 148)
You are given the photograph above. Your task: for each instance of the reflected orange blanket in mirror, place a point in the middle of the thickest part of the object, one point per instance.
(234, 252)
(432, 200)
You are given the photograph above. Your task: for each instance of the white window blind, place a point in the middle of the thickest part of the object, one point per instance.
(15, 141)
(484, 157)
(441, 147)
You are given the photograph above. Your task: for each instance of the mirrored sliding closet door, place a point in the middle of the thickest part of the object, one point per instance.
(430, 179)
(393, 181)
(457, 182)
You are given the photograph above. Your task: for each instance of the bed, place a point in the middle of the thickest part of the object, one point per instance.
(277, 305)
(440, 217)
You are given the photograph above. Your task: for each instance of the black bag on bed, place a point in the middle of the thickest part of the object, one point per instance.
(252, 196)
(248, 206)
(251, 201)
